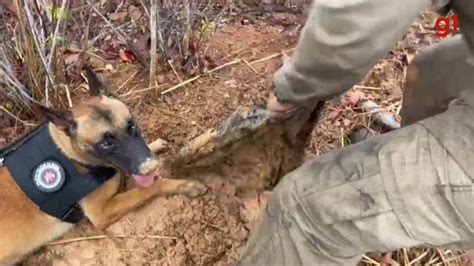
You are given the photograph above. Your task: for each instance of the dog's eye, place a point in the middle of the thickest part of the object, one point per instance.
(132, 128)
(106, 144)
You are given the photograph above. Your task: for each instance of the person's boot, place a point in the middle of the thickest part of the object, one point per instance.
(360, 134)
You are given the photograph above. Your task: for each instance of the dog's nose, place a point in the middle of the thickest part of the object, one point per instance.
(149, 166)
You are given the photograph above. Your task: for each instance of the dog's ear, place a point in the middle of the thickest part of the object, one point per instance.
(64, 120)
(96, 87)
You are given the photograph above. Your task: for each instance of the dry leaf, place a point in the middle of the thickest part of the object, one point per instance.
(346, 122)
(354, 97)
(119, 16)
(142, 45)
(231, 83)
(334, 113)
(71, 59)
(160, 79)
(135, 12)
(127, 56)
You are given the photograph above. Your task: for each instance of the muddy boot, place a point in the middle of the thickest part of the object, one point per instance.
(360, 135)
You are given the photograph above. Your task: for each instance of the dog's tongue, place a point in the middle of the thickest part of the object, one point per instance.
(144, 180)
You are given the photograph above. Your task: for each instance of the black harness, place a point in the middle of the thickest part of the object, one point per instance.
(48, 177)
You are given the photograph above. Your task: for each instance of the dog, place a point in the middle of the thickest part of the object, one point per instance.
(78, 175)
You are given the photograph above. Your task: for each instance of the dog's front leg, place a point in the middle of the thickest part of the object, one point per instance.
(158, 145)
(104, 206)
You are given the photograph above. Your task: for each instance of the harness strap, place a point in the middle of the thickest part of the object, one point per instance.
(32, 155)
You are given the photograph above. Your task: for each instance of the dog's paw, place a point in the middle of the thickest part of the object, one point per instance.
(194, 189)
(158, 145)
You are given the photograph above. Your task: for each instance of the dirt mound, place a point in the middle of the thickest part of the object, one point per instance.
(173, 231)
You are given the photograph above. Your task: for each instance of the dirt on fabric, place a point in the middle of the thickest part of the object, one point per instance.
(210, 230)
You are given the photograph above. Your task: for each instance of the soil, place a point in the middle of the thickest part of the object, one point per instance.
(178, 230)
(211, 229)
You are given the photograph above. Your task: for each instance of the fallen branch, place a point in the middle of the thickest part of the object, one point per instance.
(16, 118)
(251, 67)
(199, 76)
(234, 62)
(153, 33)
(126, 82)
(142, 90)
(99, 237)
(174, 71)
(272, 56)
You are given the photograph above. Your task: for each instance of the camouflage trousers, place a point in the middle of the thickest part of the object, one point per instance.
(412, 186)
(397, 190)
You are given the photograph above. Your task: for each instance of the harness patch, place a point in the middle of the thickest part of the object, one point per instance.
(49, 176)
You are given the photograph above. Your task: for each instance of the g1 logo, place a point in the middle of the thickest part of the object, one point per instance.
(443, 25)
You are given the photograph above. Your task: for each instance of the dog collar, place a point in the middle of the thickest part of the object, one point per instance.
(48, 177)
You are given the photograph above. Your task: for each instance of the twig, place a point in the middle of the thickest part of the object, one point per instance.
(127, 81)
(418, 258)
(85, 39)
(405, 256)
(359, 87)
(15, 117)
(35, 37)
(181, 84)
(68, 95)
(168, 113)
(144, 7)
(142, 90)
(250, 66)
(119, 34)
(441, 255)
(342, 137)
(153, 33)
(370, 260)
(103, 33)
(99, 237)
(212, 225)
(175, 72)
(236, 61)
(272, 56)
(53, 46)
(122, 37)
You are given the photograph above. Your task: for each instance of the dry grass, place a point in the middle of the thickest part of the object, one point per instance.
(29, 62)
(38, 36)
(184, 28)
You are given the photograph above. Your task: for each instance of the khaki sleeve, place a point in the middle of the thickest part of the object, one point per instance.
(341, 41)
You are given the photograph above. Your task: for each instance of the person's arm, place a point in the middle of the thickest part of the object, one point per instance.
(341, 41)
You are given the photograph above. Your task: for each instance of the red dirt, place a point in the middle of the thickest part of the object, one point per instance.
(182, 231)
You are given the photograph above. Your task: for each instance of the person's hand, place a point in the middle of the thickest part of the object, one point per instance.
(277, 109)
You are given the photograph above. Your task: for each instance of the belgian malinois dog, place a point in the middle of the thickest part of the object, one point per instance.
(91, 144)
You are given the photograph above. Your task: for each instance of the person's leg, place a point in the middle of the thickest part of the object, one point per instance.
(378, 195)
(437, 75)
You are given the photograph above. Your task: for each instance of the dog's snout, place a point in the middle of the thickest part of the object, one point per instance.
(148, 166)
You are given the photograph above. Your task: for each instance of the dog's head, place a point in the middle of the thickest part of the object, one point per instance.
(102, 129)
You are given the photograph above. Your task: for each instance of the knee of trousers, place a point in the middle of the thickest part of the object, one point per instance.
(287, 213)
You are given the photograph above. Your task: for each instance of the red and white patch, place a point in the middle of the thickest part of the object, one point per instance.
(49, 176)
